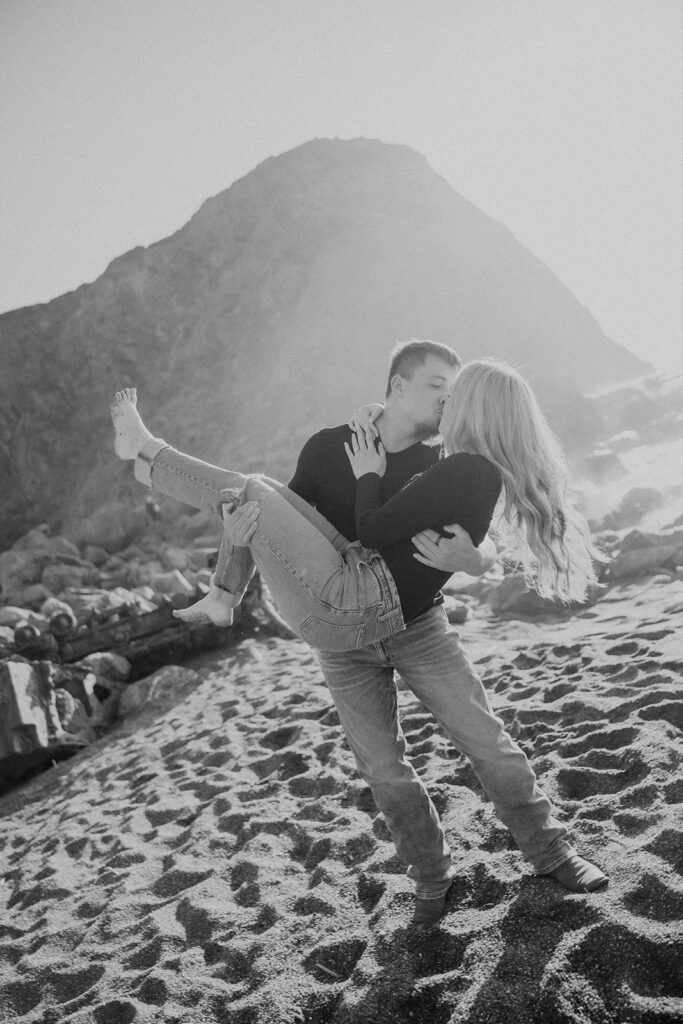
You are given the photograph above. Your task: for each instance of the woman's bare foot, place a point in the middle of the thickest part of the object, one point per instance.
(216, 607)
(131, 432)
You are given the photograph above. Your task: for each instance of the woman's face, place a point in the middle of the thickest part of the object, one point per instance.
(448, 413)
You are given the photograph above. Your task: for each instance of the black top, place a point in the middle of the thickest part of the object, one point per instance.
(324, 477)
(459, 489)
(465, 492)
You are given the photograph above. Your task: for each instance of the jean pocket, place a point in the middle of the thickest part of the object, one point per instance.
(329, 636)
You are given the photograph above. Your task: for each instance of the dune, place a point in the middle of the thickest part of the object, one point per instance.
(215, 858)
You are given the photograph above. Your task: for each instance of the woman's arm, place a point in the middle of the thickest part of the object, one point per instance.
(459, 489)
(365, 416)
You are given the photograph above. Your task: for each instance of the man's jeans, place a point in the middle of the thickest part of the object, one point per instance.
(431, 661)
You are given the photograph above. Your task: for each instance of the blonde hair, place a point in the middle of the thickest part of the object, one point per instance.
(492, 411)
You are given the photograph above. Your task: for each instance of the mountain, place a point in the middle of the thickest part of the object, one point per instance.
(272, 313)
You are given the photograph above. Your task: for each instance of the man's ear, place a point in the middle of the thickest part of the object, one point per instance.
(396, 384)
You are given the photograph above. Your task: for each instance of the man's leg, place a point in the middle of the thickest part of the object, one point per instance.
(432, 662)
(362, 685)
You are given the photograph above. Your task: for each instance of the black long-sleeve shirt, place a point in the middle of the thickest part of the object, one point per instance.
(461, 489)
(324, 478)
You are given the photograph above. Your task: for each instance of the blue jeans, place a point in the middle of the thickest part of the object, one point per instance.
(335, 595)
(429, 656)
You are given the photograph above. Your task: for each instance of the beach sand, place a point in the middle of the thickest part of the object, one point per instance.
(216, 858)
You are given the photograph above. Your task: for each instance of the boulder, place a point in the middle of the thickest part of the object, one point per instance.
(18, 569)
(634, 505)
(40, 540)
(176, 558)
(512, 599)
(97, 555)
(30, 719)
(160, 689)
(112, 527)
(200, 524)
(603, 467)
(53, 605)
(58, 576)
(456, 611)
(171, 583)
(10, 615)
(106, 666)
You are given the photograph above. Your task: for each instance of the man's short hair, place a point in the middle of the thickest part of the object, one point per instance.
(407, 356)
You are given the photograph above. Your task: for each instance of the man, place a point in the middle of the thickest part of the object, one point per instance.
(428, 656)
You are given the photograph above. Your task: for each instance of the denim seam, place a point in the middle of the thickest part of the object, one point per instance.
(193, 479)
(432, 895)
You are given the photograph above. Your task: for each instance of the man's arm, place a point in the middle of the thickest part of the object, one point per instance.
(455, 554)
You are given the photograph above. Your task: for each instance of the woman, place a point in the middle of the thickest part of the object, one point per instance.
(339, 595)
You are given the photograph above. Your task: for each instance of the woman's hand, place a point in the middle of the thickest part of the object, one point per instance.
(365, 416)
(240, 526)
(364, 456)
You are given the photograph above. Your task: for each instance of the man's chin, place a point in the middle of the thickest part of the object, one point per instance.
(427, 431)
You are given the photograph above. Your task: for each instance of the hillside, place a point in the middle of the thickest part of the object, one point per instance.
(269, 314)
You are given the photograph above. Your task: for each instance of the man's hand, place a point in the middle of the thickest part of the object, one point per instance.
(365, 416)
(240, 526)
(456, 553)
(364, 456)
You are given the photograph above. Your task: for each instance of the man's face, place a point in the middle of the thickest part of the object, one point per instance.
(421, 397)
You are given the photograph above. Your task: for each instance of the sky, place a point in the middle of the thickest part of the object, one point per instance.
(562, 119)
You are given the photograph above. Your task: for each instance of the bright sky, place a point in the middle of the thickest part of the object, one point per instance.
(563, 119)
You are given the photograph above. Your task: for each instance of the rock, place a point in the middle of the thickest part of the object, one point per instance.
(633, 506)
(603, 467)
(53, 605)
(171, 583)
(198, 525)
(94, 602)
(59, 577)
(112, 527)
(10, 615)
(99, 698)
(623, 441)
(203, 557)
(72, 715)
(511, 599)
(29, 720)
(176, 558)
(641, 561)
(41, 541)
(456, 611)
(97, 555)
(33, 596)
(157, 690)
(18, 569)
(106, 665)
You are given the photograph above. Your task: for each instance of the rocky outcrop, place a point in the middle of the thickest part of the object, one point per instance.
(269, 314)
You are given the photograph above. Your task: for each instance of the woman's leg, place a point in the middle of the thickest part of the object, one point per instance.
(295, 548)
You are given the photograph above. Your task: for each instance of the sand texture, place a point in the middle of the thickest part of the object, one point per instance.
(217, 858)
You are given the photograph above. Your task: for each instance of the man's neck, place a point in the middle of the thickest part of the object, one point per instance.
(395, 432)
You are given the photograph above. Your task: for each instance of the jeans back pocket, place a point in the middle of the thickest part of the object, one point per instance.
(329, 636)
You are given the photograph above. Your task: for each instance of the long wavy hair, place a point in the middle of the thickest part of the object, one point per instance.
(492, 411)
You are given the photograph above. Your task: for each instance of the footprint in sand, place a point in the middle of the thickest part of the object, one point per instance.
(654, 899)
(333, 962)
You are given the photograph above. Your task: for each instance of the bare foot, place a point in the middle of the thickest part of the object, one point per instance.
(216, 607)
(131, 432)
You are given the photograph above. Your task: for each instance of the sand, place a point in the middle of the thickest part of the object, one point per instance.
(217, 859)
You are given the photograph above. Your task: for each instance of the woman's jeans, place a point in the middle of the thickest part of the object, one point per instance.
(430, 658)
(335, 595)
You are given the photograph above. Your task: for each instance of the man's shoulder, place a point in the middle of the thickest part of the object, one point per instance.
(329, 436)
